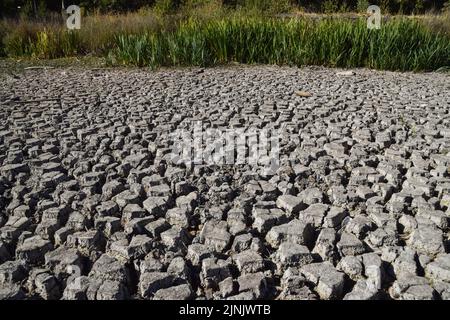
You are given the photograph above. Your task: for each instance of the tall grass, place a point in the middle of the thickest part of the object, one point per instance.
(151, 40)
(399, 45)
(30, 38)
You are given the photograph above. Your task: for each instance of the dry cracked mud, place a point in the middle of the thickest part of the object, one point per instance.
(91, 206)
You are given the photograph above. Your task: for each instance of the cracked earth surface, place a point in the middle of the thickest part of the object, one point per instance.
(91, 207)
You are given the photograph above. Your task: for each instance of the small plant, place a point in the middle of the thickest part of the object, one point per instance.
(164, 7)
(15, 45)
(446, 8)
(419, 6)
(386, 6)
(27, 10)
(18, 41)
(44, 46)
(362, 6)
(203, 9)
(330, 6)
(267, 6)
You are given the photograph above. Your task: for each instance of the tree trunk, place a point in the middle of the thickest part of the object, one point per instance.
(34, 9)
(63, 10)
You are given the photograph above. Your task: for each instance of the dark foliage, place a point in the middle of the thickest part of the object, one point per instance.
(31, 8)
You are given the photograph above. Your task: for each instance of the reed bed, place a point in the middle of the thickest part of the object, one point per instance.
(151, 41)
(399, 45)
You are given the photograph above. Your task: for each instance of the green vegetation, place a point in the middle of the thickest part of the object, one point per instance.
(399, 45)
(205, 33)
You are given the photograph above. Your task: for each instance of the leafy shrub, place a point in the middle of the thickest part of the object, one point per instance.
(362, 6)
(330, 6)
